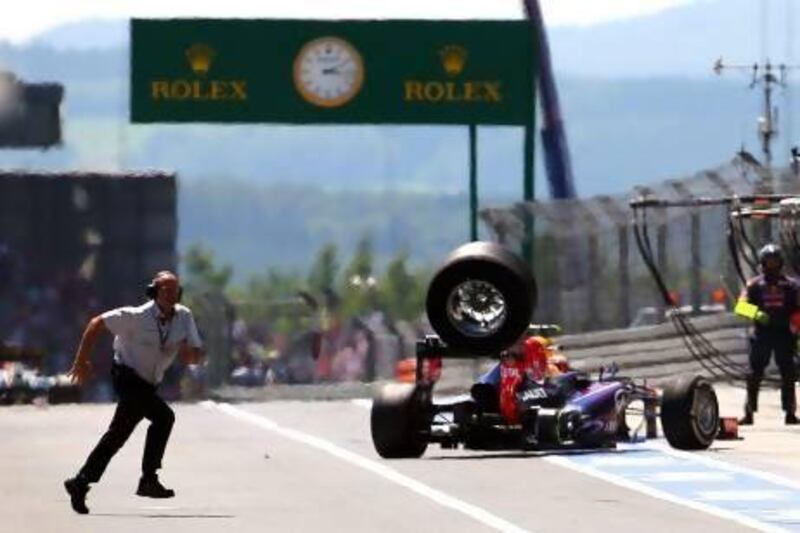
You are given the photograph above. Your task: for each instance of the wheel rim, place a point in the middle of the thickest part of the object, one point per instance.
(476, 308)
(706, 411)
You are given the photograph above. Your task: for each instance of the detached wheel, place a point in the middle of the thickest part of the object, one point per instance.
(398, 419)
(690, 413)
(481, 299)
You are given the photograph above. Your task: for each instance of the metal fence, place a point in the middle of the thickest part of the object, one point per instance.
(587, 265)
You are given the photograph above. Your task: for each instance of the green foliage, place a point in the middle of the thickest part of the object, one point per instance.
(204, 283)
(284, 301)
(202, 273)
(402, 293)
(271, 300)
(359, 286)
(361, 264)
(324, 270)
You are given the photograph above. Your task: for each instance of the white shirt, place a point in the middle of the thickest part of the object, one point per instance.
(145, 344)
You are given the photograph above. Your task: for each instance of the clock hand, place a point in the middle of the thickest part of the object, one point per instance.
(335, 68)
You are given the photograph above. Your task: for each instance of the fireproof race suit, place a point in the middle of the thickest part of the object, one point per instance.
(776, 300)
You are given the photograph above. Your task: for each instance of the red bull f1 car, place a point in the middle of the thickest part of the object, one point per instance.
(480, 303)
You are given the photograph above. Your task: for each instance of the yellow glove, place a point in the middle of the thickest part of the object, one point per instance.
(747, 310)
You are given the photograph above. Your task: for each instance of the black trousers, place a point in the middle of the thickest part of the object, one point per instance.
(137, 400)
(784, 345)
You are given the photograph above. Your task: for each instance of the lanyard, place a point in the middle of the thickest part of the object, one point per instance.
(163, 332)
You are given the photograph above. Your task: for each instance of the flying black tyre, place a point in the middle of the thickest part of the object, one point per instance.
(690, 413)
(481, 299)
(398, 420)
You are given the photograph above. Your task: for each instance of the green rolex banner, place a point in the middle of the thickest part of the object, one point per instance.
(304, 71)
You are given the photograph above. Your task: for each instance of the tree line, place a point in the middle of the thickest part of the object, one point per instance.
(290, 300)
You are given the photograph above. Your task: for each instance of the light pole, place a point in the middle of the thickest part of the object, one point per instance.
(767, 75)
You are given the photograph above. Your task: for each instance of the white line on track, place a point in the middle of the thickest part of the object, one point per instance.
(481, 515)
(564, 461)
(362, 402)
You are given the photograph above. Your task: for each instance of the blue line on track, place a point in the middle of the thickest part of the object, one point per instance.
(769, 500)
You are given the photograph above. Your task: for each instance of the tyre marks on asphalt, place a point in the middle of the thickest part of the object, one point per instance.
(476, 513)
(756, 499)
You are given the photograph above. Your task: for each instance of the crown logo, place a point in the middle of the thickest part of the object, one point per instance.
(200, 57)
(453, 59)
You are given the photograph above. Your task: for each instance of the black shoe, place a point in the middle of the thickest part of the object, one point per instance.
(77, 489)
(746, 420)
(151, 487)
(791, 419)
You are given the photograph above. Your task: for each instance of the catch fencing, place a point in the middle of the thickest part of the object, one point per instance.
(588, 268)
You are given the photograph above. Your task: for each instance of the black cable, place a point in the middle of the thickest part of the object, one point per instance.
(790, 244)
(713, 361)
(646, 251)
(708, 361)
(734, 252)
(752, 259)
(698, 346)
(716, 363)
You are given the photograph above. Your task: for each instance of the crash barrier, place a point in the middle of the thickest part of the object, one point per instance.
(656, 353)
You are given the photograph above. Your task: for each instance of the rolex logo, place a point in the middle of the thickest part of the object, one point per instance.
(453, 91)
(200, 57)
(453, 59)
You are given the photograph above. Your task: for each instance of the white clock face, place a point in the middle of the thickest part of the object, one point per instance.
(328, 72)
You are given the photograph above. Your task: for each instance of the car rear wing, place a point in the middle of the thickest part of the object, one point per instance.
(544, 330)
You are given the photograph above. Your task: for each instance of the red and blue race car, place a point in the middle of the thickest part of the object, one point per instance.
(479, 303)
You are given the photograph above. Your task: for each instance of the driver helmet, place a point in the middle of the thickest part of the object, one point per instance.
(542, 340)
(535, 356)
(559, 362)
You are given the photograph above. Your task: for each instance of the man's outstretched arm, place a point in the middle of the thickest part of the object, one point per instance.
(81, 369)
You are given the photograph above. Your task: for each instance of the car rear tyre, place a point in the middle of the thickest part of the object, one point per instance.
(481, 299)
(690, 413)
(398, 420)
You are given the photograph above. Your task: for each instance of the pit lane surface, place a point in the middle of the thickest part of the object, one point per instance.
(303, 466)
